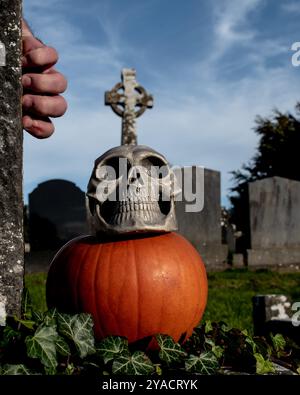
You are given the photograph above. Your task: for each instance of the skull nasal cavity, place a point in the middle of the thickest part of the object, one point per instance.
(136, 175)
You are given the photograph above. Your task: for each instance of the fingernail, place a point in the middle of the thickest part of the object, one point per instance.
(26, 81)
(27, 102)
(27, 123)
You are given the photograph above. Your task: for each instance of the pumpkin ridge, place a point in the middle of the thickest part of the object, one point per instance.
(198, 273)
(121, 293)
(162, 298)
(96, 304)
(182, 274)
(111, 287)
(138, 298)
(81, 261)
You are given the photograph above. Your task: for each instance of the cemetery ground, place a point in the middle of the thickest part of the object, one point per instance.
(230, 293)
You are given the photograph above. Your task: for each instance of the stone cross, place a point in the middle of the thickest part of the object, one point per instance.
(11, 149)
(129, 100)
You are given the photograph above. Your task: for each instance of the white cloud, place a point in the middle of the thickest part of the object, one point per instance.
(231, 20)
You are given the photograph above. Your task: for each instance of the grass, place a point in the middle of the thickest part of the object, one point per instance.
(230, 293)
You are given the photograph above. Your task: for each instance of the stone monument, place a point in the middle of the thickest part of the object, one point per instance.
(57, 214)
(203, 228)
(11, 149)
(274, 205)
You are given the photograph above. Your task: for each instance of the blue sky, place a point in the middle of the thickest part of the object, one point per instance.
(212, 66)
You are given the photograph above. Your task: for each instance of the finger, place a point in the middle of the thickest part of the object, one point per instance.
(52, 83)
(26, 32)
(45, 106)
(40, 57)
(39, 128)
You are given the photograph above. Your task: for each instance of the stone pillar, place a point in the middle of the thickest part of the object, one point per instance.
(11, 157)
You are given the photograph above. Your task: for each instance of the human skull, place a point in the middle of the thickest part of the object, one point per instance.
(132, 189)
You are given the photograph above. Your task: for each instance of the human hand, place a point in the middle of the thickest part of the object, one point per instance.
(42, 86)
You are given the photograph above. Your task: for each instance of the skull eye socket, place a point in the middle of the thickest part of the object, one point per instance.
(156, 167)
(113, 168)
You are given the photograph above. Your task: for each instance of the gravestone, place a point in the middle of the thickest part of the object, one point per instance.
(274, 314)
(57, 214)
(203, 228)
(274, 205)
(11, 149)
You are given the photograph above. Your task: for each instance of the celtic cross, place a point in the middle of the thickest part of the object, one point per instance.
(129, 100)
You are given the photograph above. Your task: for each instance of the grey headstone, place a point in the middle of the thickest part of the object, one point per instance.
(273, 314)
(274, 222)
(11, 149)
(57, 213)
(238, 261)
(203, 229)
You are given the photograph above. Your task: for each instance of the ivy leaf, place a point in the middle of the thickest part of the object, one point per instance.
(252, 343)
(169, 350)
(263, 365)
(209, 341)
(62, 347)
(205, 363)
(38, 316)
(158, 369)
(112, 347)
(15, 370)
(79, 329)
(217, 350)
(27, 323)
(9, 334)
(69, 369)
(136, 364)
(279, 342)
(50, 317)
(225, 328)
(208, 326)
(42, 346)
(50, 371)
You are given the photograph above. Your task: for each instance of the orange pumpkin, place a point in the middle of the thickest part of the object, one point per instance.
(134, 287)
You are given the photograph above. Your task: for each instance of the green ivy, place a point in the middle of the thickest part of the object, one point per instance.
(55, 343)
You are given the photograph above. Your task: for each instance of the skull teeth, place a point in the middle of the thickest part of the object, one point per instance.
(131, 211)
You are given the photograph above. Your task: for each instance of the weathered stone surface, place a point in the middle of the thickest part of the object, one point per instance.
(2, 54)
(281, 257)
(274, 213)
(203, 229)
(11, 202)
(238, 261)
(274, 205)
